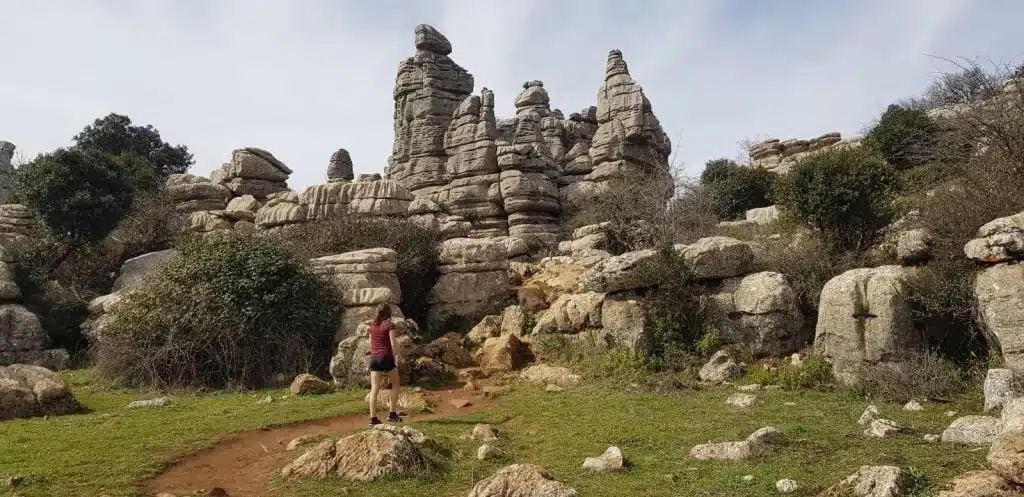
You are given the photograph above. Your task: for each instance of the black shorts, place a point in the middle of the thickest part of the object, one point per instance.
(382, 363)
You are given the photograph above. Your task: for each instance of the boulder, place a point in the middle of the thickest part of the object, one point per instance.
(1006, 456)
(758, 311)
(983, 483)
(719, 257)
(872, 481)
(865, 318)
(542, 374)
(487, 451)
(27, 391)
(999, 240)
(742, 400)
(503, 353)
(623, 322)
(484, 433)
(914, 246)
(763, 216)
(883, 428)
(381, 451)
(135, 270)
(999, 293)
(489, 326)
(307, 384)
(23, 340)
(572, 314)
(622, 272)
(447, 350)
(521, 480)
(720, 368)
(972, 430)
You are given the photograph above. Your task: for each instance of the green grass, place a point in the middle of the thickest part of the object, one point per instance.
(656, 432)
(110, 449)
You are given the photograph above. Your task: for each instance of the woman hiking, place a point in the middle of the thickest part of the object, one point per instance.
(383, 340)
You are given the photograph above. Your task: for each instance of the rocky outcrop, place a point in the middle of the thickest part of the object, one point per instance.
(522, 480)
(253, 171)
(27, 391)
(759, 311)
(873, 481)
(999, 293)
(16, 225)
(864, 318)
(191, 193)
(6, 168)
(340, 167)
(999, 240)
(428, 89)
(365, 279)
(778, 156)
(22, 337)
(474, 276)
(718, 257)
(629, 139)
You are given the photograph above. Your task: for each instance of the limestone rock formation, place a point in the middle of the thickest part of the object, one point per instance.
(543, 374)
(428, 89)
(1001, 385)
(759, 311)
(22, 337)
(253, 171)
(717, 257)
(6, 168)
(629, 138)
(474, 275)
(27, 391)
(340, 167)
(619, 273)
(983, 483)
(720, 368)
(999, 293)
(192, 193)
(973, 430)
(521, 480)
(873, 481)
(16, 223)
(365, 279)
(864, 318)
(999, 240)
(754, 445)
(779, 156)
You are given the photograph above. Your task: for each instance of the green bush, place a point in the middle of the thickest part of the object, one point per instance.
(846, 194)
(231, 311)
(672, 309)
(906, 137)
(115, 135)
(418, 265)
(737, 188)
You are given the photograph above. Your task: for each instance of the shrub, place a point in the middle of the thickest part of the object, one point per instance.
(115, 135)
(737, 188)
(418, 265)
(232, 311)
(672, 309)
(815, 373)
(969, 84)
(905, 136)
(846, 194)
(150, 226)
(919, 375)
(81, 196)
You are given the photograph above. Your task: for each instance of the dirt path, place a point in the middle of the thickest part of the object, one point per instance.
(242, 463)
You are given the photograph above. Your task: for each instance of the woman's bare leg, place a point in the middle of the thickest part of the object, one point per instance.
(374, 388)
(393, 377)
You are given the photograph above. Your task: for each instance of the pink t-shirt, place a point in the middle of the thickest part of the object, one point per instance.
(380, 338)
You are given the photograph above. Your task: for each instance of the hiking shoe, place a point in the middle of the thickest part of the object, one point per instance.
(393, 417)
(374, 421)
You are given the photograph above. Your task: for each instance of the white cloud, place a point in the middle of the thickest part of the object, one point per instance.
(304, 78)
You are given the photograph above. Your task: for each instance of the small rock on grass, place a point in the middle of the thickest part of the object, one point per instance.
(748, 478)
(460, 403)
(487, 451)
(266, 400)
(914, 406)
(742, 400)
(870, 414)
(552, 388)
(484, 433)
(611, 460)
(786, 486)
(931, 437)
(755, 387)
(883, 428)
(157, 402)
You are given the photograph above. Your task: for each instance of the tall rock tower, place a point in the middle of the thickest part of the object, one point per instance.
(6, 169)
(429, 88)
(629, 139)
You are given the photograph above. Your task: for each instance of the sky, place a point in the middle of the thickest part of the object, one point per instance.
(304, 78)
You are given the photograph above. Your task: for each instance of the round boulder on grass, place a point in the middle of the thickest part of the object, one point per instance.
(27, 391)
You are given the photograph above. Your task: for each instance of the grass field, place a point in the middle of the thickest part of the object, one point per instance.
(108, 450)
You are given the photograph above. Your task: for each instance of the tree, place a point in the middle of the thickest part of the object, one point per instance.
(846, 194)
(738, 188)
(907, 137)
(970, 84)
(80, 195)
(115, 135)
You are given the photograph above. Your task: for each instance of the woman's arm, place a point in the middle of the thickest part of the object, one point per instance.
(393, 336)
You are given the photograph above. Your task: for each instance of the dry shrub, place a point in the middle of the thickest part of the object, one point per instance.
(232, 311)
(647, 211)
(418, 265)
(151, 226)
(987, 141)
(917, 375)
